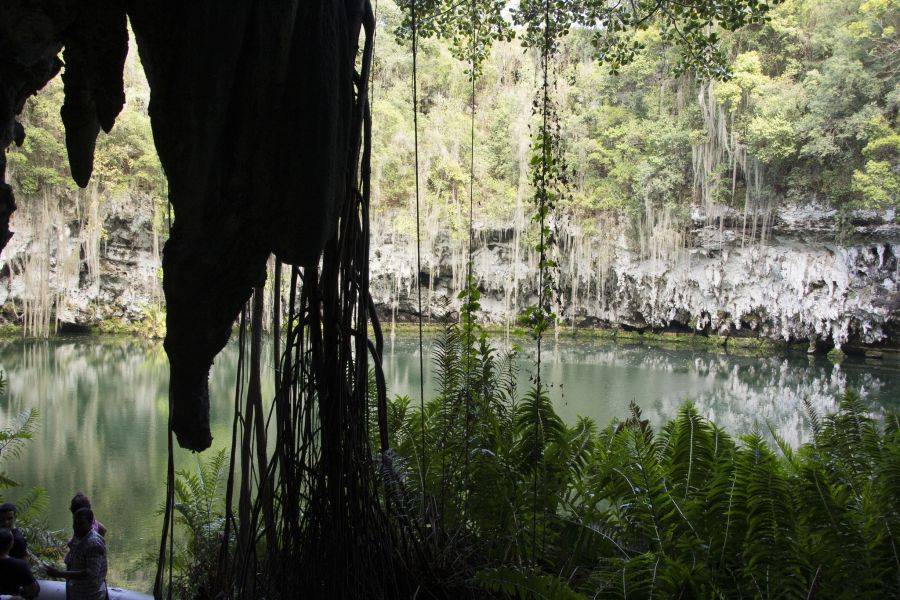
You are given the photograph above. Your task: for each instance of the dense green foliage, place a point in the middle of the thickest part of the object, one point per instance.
(200, 511)
(526, 504)
(691, 26)
(812, 99)
(813, 96)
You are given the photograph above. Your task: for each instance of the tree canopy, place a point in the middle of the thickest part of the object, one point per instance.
(808, 89)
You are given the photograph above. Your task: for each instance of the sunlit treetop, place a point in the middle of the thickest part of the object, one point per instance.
(692, 27)
(471, 26)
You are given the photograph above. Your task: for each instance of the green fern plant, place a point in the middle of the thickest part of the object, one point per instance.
(199, 509)
(14, 437)
(526, 505)
(198, 494)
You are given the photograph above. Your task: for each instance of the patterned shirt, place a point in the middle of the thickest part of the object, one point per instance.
(87, 554)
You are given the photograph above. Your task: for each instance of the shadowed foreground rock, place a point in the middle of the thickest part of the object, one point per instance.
(251, 106)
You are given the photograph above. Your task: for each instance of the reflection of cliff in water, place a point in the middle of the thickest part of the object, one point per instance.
(108, 393)
(737, 392)
(103, 406)
(90, 396)
(598, 379)
(103, 413)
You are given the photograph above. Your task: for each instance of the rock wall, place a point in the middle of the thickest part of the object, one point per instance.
(799, 284)
(81, 259)
(94, 257)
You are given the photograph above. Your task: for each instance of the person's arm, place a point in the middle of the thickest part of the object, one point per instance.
(91, 566)
(71, 575)
(101, 529)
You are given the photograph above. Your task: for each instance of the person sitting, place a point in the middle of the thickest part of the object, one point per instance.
(85, 572)
(82, 501)
(8, 514)
(15, 574)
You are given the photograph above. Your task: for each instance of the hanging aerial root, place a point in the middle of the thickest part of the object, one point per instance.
(314, 516)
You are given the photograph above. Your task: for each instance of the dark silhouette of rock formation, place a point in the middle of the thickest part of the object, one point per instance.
(251, 106)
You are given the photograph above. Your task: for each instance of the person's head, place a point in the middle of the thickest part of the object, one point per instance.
(79, 501)
(82, 521)
(6, 540)
(8, 513)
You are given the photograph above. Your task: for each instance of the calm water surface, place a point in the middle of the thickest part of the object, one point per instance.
(103, 410)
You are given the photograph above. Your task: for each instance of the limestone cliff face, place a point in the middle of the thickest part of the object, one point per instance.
(788, 291)
(800, 285)
(81, 259)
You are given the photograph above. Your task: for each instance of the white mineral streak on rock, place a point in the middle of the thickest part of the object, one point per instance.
(789, 289)
(89, 257)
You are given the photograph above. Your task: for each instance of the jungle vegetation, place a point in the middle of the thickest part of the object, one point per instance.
(484, 488)
(813, 97)
(528, 508)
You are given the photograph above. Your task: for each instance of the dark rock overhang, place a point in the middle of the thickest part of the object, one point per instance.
(251, 108)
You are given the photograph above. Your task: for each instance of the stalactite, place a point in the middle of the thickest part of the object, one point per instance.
(91, 232)
(39, 299)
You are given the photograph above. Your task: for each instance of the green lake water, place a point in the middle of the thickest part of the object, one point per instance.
(103, 410)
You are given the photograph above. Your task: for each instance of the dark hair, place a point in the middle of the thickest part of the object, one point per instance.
(84, 512)
(6, 539)
(79, 501)
(8, 506)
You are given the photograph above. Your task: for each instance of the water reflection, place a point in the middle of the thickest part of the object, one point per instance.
(103, 410)
(103, 406)
(599, 379)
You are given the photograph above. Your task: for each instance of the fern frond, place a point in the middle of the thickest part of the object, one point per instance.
(13, 437)
(764, 503)
(691, 451)
(521, 583)
(32, 505)
(812, 415)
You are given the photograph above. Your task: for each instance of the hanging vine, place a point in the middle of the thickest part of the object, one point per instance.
(315, 494)
(549, 181)
(414, 37)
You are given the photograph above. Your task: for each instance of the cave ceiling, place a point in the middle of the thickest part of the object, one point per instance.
(251, 109)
